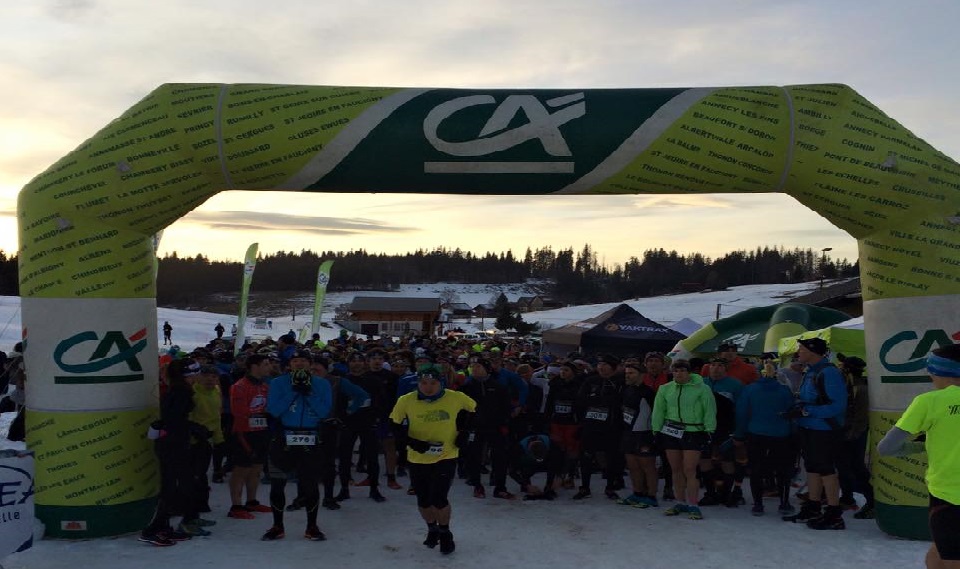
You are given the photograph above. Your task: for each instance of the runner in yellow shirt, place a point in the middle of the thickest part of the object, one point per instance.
(431, 418)
(937, 415)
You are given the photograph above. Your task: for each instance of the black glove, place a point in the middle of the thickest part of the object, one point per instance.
(416, 444)
(300, 381)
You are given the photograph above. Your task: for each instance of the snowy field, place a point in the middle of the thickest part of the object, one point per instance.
(193, 328)
(490, 533)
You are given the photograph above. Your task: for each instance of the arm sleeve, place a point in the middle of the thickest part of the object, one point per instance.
(399, 413)
(897, 442)
(357, 395)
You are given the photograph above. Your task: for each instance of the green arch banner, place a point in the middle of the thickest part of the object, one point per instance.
(87, 223)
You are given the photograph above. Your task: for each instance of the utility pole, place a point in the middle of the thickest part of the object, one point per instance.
(823, 261)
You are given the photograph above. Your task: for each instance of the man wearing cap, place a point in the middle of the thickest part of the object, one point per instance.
(299, 401)
(736, 367)
(820, 413)
(936, 414)
(431, 420)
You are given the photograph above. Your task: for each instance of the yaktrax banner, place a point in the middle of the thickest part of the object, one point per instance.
(86, 223)
(249, 265)
(323, 278)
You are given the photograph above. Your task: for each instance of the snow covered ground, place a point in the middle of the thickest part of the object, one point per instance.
(192, 328)
(490, 533)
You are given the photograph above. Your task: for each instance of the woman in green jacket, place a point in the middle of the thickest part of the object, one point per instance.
(684, 416)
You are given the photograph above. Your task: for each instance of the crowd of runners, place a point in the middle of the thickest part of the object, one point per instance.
(648, 432)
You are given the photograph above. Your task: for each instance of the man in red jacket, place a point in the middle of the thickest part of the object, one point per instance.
(736, 367)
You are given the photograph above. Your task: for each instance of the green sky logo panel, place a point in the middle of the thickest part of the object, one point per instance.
(494, 142)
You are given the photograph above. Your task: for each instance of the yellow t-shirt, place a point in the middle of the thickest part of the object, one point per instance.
(937, 413)
(433, 422)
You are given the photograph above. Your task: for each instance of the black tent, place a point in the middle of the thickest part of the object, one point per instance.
(621, 331)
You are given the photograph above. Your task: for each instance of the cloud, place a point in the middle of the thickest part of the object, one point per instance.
(271, 221)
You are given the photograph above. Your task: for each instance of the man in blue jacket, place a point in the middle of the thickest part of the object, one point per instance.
(299, 401)
(820, 412)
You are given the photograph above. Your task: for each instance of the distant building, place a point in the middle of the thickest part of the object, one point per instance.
(392, 316)
(459, 309)
(529, 303)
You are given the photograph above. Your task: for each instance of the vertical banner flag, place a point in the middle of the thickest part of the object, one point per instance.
(156, 247)
(249, 264)
(323, 277)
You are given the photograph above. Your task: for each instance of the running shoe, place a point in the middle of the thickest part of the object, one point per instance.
(411, 491)
(503, 495)
(193, 529)
(376, 496)
(479, 492)
(549, 495)
(313, 533)
(394, 485)
(675, 510)
(582, 494)
(156, 539)
(205, 523)
(364, 482)
(331, 504)
(343, 495)
(786, 508)
(175, 535)
(694, 513)
(610, 493)
(239, 513)
(631, 500)
(255, 506)
(647, 502)
(273, 534)
(867, 512)
(757, 510)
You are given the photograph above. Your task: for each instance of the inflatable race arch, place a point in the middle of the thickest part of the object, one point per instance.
(86, 226)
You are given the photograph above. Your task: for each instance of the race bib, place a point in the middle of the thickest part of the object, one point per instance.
(436, 449)
(563, 408)
(597, 414)
(629, 415)
(257, 422)
(674, 430)
(295, 439)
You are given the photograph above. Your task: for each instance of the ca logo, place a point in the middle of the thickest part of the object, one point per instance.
(99, 360)
(322, 279)
(495, 136)
(916, 360)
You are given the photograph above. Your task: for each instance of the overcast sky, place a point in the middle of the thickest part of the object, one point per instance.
(70, 66)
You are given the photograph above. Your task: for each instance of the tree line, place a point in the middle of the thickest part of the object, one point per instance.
(574, 277)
